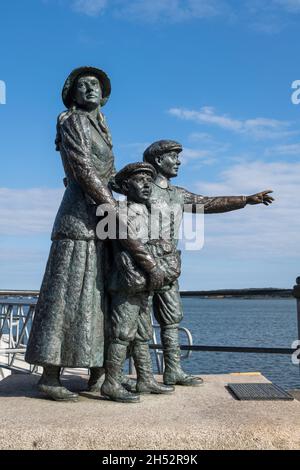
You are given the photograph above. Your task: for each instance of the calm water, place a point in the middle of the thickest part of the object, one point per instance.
(243, 322)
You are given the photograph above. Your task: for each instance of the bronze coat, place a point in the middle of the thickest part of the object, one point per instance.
(68, 328)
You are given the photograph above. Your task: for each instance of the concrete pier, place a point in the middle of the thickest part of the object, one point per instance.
(206, 417)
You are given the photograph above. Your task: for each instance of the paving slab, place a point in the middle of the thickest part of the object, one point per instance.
(205, 417)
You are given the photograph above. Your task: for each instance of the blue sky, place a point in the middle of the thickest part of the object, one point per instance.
(215, 75)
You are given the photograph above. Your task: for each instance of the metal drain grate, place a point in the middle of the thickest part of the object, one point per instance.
(260, 391)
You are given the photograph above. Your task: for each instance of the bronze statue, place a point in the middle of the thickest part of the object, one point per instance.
(132, 295)
(164, 156)
(68, 329)
(69, 325)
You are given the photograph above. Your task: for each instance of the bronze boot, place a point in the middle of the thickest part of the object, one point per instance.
(173, 373)
(146, 382)
(112, 387)
(50, 384)
(96, 379)
(128, 383)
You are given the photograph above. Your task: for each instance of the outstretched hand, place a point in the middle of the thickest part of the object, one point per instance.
(261, 198)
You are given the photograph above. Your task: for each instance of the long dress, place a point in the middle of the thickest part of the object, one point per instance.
(68, 328)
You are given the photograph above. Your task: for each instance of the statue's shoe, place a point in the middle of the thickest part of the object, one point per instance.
(128, 383)
(119, 394)
(58, 393)
(96, 379)
(151, 386)
(182, 379)
(96, 386)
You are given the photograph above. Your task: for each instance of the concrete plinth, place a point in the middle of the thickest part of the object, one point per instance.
(206, 417)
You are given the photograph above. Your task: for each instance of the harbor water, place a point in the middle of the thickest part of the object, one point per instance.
(239, 322)
(246, 323)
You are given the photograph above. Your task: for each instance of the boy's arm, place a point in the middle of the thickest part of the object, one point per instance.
(219, 204)
(135, 221)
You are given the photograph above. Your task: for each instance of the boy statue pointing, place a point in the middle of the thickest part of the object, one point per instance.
(164, 156)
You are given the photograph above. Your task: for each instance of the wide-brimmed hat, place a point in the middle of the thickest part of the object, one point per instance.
(133, 168)
(75, 74)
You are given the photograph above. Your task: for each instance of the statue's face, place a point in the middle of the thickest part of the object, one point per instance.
(168, 164)
(88, 93)
(138, 187)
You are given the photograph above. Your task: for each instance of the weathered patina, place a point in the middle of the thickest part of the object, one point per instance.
(68, 328)
(164, 156)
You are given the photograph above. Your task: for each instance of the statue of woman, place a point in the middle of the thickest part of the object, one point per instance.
(68, 327)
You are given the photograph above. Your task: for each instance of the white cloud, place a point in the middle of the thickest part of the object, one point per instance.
(28, 211)
(153, 10)
(207, 115)
(270, 16)
(206, 157)
(22, 256)
(256, 231)
(259, 128)
(90, 7)
(174, 10)
(201, 137)
(292, 6)
(284, 150)
(267, 16)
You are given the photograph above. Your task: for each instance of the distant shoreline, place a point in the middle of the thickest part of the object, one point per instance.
(259, 293)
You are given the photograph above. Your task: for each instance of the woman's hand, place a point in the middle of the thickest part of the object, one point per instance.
(156, 279)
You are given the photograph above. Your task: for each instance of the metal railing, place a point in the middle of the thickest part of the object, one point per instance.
(15, 321)
(16, 315)
(158, 349)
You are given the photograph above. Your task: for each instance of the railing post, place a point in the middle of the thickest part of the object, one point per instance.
(296, 294)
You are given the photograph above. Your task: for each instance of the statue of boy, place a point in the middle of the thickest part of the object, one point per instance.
(131, 298)
(164, 156)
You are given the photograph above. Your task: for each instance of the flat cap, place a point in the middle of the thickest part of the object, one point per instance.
(131, 169)
(159, 148)
(67, 90)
